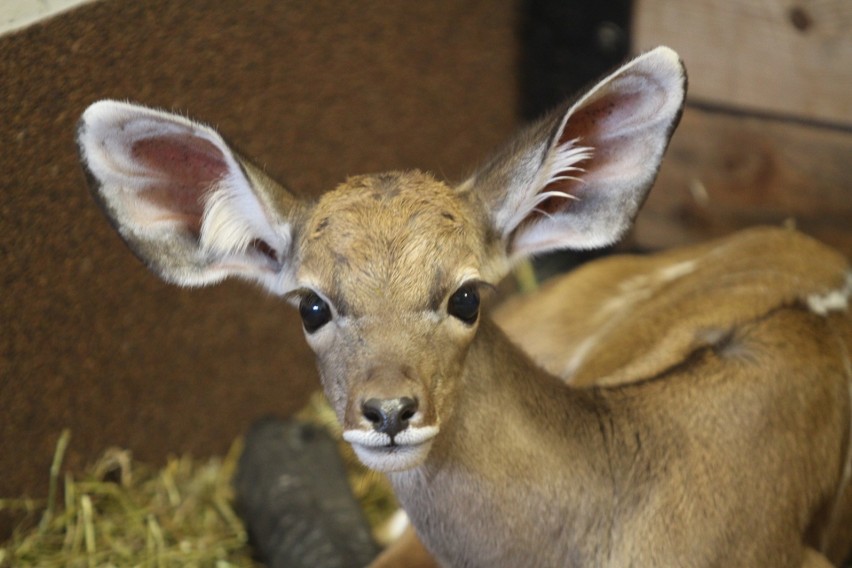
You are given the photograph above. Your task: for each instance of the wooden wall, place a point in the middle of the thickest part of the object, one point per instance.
(315, 91)
(767, 134)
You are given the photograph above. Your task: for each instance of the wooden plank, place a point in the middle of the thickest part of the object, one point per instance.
(725, 172)
(792, 57)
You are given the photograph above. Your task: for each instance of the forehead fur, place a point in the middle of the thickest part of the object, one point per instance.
(401, 236)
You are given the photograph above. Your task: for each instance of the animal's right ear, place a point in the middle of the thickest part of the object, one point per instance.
(183, 201)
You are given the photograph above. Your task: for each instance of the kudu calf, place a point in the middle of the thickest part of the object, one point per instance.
(714, 432)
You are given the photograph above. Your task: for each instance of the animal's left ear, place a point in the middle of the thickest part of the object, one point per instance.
(577, 178)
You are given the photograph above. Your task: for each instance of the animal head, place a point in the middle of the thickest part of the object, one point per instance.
(386, 269)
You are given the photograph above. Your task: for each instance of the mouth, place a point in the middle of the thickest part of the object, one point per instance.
(384, 453)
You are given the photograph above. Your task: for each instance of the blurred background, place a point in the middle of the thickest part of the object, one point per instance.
(313, 92)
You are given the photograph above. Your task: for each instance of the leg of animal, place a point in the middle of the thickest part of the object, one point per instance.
(814, 559)
(406, 552)
(719, 437)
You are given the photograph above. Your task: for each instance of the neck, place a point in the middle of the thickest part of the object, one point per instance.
(520, 451)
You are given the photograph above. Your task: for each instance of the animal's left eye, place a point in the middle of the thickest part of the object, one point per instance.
(464, 304)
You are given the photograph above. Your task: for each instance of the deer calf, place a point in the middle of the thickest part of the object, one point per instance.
(706, 415)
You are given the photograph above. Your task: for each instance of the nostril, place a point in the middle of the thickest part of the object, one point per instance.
(408, 408)
(389, 416)
(372, 412)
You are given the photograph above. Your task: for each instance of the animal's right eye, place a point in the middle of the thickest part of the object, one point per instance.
(315, 312)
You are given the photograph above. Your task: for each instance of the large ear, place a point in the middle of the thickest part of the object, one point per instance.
(183, 202)
(577, 178)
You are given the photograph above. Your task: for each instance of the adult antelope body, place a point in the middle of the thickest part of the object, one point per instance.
(706, 419)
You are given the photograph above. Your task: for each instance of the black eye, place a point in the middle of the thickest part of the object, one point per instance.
(464, 304)
(314, 311)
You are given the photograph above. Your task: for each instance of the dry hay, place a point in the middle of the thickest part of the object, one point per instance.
(123, 513)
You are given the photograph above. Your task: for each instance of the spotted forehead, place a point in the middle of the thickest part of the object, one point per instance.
(400, 236)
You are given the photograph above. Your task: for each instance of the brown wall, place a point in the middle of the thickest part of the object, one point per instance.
(314, 91)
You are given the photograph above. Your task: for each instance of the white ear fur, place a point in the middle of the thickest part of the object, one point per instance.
(577, 178)
(560, 164)
(181, 199)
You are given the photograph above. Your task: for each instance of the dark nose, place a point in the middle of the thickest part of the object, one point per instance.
(390, 415)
